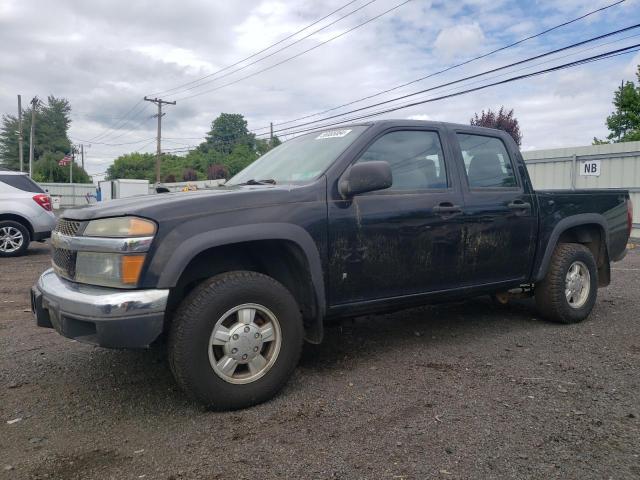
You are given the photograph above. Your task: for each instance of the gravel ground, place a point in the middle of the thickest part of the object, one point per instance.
(468, 390)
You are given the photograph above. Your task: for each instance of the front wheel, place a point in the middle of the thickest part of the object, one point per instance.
(235, 340)
(568, 292)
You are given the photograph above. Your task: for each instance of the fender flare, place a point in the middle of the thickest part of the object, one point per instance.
(561, 227)
(187, 250)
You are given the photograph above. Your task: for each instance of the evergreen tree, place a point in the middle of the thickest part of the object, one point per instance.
(51, 142)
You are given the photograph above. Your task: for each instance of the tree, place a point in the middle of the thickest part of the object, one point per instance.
(216, 172)
(51, 142)
(624, 122)
(135, 165)
(240, 158)
(502, 120)
(47, 169)
(227, 131)
(52, 125)
(228, 148)
(189, 175)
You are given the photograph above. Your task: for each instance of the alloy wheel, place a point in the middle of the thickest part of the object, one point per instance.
(577, 284)
(11, 239)
(244, 343)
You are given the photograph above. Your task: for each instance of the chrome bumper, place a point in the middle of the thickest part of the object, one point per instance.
(103, 316)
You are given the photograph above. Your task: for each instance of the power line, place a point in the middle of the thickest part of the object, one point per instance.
(142, 147)
(117, 125)
(594, 58)
(268, 48)
(470, 77)
(466, 62)
(123, 120)
(113, 144)
(528, 67)
(133, 126)
(288, 59)
(186, 138)
(126, 132)
(602, 56)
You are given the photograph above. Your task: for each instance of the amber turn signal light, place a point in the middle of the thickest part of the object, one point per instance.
(131, 266)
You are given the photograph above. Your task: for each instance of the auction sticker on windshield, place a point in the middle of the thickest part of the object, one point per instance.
(333, 134)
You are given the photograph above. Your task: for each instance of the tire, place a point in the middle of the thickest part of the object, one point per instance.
(201, 361)
(556, 297)
(14, 238)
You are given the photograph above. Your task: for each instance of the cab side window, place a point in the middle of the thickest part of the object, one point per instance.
(486, 162)
(415, 157)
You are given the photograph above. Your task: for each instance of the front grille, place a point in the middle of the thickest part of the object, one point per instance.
(64, 262)
(67, 227)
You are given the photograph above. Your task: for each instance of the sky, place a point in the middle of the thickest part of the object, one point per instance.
(104, 56)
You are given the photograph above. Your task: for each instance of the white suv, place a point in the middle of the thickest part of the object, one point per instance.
(25, 213)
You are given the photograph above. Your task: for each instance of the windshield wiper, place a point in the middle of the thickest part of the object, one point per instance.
(268, 181)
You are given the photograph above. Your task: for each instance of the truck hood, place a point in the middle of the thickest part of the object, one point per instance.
(183, 205)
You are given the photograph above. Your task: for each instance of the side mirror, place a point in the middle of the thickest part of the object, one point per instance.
(365, 177)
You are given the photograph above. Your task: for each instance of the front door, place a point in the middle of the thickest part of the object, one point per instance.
(402, 240)
(499, 212)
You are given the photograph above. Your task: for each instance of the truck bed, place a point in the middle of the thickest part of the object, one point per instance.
(606, 208)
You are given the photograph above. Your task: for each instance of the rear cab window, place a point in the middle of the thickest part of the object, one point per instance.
(21, 182)
(487, 162)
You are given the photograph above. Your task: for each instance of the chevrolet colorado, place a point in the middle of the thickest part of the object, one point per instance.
(359, 219)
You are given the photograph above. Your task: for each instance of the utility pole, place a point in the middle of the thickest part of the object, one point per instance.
(82, 154)
(34, 104)
(271, 134)
(159, 102)
(20, 138)
(71, 164)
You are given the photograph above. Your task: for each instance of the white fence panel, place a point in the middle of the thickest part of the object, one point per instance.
(71, 194)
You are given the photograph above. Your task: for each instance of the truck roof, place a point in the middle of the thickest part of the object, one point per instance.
(414, 123)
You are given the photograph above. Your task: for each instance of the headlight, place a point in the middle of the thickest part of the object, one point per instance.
(111, 254)
(120, 227)
(108, 269)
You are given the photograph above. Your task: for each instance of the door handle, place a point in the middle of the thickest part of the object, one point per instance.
(447, 207)
(519, 205)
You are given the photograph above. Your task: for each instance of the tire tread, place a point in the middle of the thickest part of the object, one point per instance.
(182, 327)
(549, 293)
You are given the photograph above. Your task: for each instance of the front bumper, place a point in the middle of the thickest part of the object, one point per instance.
(102, 316)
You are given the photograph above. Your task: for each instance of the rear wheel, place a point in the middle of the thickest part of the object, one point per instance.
(14, 238)
(235, 340)
(568, 292)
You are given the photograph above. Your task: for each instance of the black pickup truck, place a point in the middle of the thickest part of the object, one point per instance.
(365, 218)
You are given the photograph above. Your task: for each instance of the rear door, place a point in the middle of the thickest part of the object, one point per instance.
(402, 240)
(499, 221)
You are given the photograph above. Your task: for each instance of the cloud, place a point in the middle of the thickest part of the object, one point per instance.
(420, 116)
(459, 40)
(105, 55)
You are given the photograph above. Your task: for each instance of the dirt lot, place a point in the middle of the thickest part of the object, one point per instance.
(469, 390)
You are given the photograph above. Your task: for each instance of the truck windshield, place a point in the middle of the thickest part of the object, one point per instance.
(299, 160)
